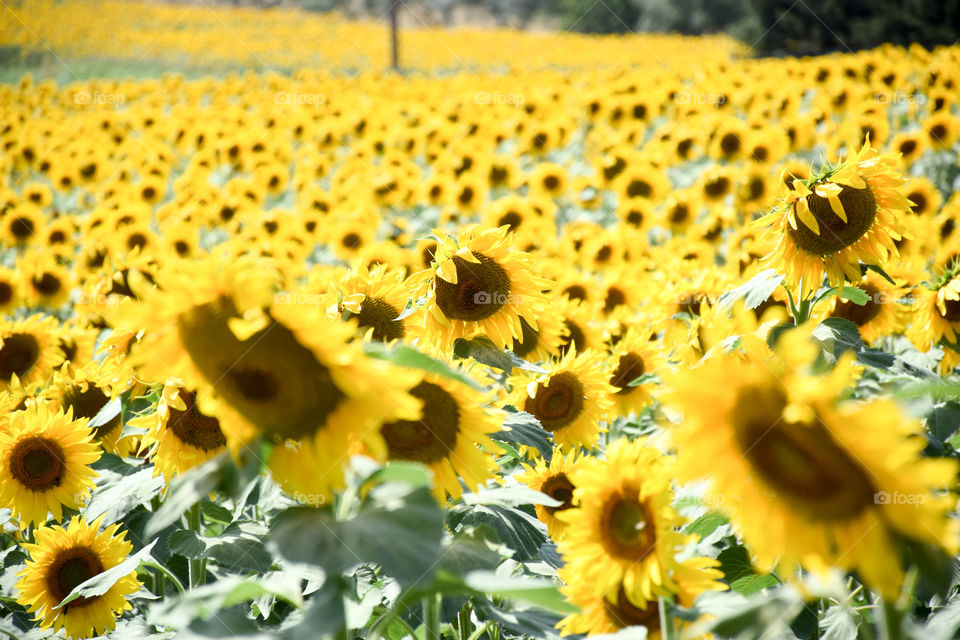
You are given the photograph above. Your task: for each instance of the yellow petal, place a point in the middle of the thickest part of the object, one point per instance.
(807, 218)
(466, 254)
(837, 207)
(448, 271)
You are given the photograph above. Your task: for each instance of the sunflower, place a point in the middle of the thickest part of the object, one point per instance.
(61, 560)
(22, 225)
(265, 365)
(623, 529)
(884, 314)
(373, 299)
(839, 217)
(479, 285)
(553, 479)
(45, 460)
(807, 480)
(936, 314)
(48, 283)
(28, 349)
(609, 613)
(451, 438)
(81, 391)
(542, 343)
(924, 197)
(179, 436)
(11, 291)
(633, 356)
(569, 400)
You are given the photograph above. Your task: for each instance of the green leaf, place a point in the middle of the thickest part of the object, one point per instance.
(102, 582)
(839, 335)
(510, 496)
(740, 573)
(864, 268)
(117, 495)
(400, 530)
(472, 549)
(207, 601)
(523, 428)
(706, 524)
(944, 624)
(483, 350)
(839, 623)
(407, 356)
(107, 413)
(539, 593)
(755, 291)
(943, 421)
(521, 532)
(411, 473)
(733, 615)
(856, 295)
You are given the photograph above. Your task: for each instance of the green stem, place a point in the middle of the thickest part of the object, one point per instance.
(197, 566)
(482, 629)
(667, 627)
(890, 617)
(164, 574)
(431, 616)
(464, 626)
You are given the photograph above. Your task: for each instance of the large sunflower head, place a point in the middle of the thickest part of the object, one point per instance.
(45, 458)
(63, 558)
(273, 366)
(809, 480)
(570, 400)
(479, 285)
(835, 219)
(623, 528)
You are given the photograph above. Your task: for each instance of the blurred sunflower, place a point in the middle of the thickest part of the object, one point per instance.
(837, 218)
(80, 391)
(807, 479)
(46, 460)
(634, 356)
(63, 558)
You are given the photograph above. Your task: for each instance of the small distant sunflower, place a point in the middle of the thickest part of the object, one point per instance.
(62, 559)
(632, 357)
(45, 460)
(569, 400)
(623, 528)
(451, 438)
(808, 480)
(81, 391)
(374, 299)
(553, 479)
(936, 314)
(11, 291)
(479, 285)
(22, 225)
(884, 314)
(179, 436)
(836, 219)
(28, 349)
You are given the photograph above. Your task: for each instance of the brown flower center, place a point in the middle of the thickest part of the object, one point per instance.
(628, 529)
(37, 463)
(557, 403)
(481, 290)
(194, 428)
(433, 436)
(559, 488)
(70, 569)
(623, 613)
(801, 462)
(629, 368)
(381, 316)
(835, 234)
(860, 314)
(19, 353)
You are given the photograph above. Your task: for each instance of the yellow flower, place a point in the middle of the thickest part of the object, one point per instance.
(46, 460)
(553, 479)
(62, 559)
(836, 219)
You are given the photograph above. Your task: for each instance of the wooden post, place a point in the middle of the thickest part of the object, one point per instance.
(394, 46)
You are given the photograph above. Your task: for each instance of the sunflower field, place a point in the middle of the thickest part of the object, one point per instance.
(549, 335)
